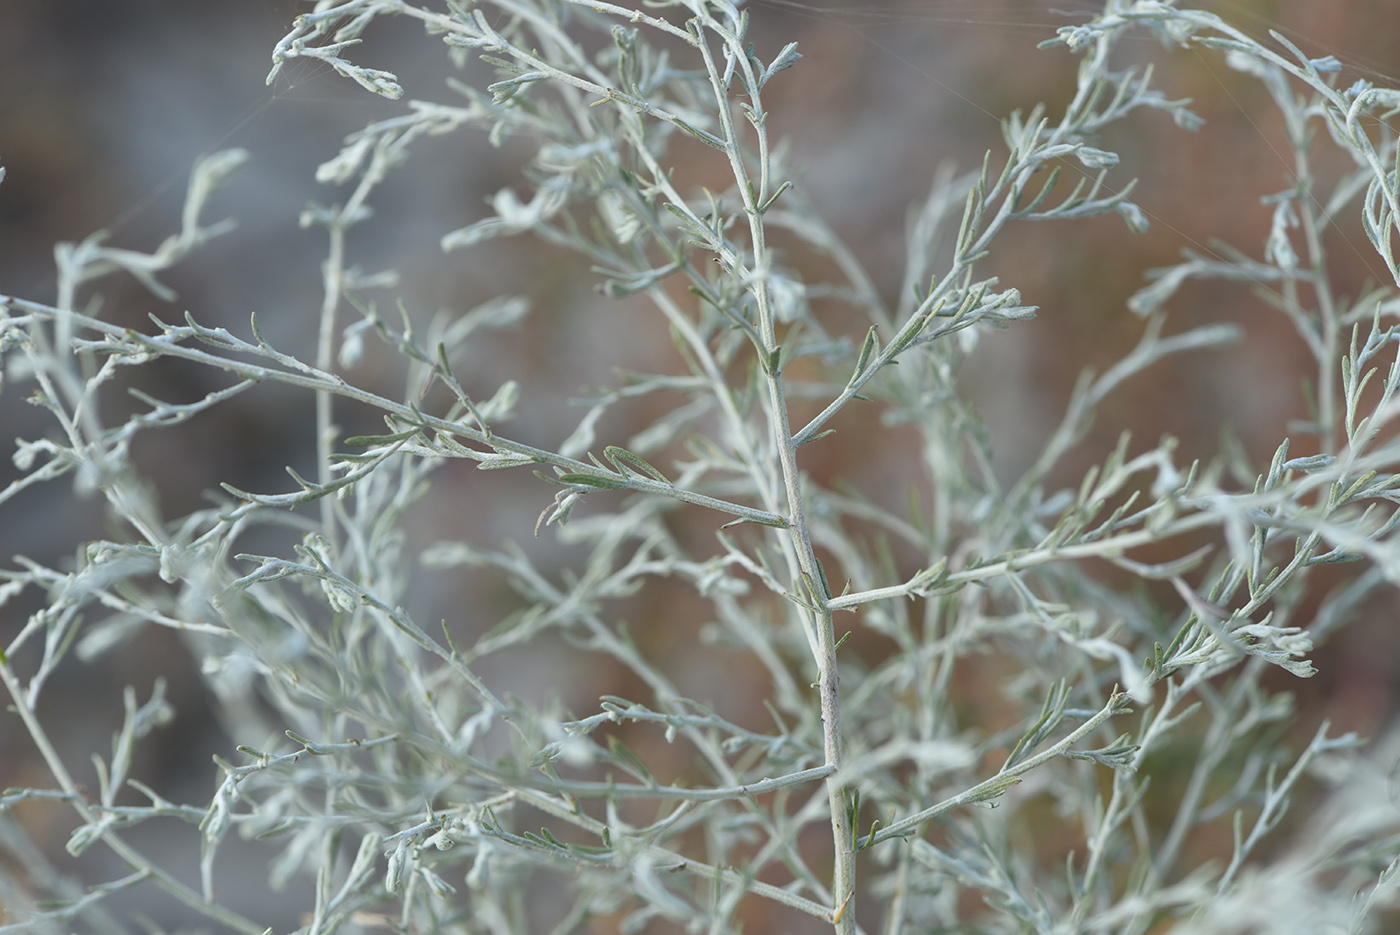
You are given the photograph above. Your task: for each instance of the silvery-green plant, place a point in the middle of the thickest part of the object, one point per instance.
(407, 789)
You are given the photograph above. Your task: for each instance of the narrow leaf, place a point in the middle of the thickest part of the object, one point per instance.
(593, 480)
(621, 456)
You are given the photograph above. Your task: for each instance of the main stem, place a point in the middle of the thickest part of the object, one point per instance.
(325, 356)
(842, 833)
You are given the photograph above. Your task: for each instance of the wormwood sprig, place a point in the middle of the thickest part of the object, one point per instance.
(415, 778)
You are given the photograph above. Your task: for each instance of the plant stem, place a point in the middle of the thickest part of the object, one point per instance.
(843, 835)
(325, 348)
